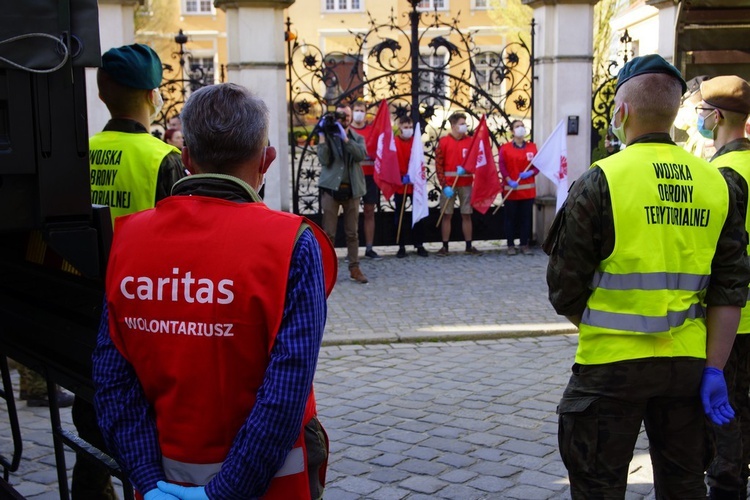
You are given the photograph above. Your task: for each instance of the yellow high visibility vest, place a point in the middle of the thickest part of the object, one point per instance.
(669, 208)
(739, 161)
(124, 170)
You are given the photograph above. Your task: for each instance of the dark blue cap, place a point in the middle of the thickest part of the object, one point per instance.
(652, 63)
(136, 66)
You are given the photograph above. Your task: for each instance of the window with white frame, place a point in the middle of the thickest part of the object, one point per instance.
(432, 5)
(489, 75)
(197, 6)
(480, 4)
(201, 71)
(431, 78)
(343, 5)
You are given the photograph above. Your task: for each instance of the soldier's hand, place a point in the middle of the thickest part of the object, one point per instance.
(714, 396)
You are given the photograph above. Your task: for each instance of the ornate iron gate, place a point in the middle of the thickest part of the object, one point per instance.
(603, 143)
(179, 82)
(427, 60)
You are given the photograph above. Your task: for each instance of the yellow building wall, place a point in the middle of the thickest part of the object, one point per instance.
(159, 21)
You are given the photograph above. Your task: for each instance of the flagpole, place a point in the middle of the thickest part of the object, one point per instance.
(510, 190)
(445, 205)
(401, 217)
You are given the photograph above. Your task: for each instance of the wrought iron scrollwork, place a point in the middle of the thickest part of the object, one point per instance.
(441, 69)
(182, 78)
(603, 99)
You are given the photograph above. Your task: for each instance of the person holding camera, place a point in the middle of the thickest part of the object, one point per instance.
(342, 182)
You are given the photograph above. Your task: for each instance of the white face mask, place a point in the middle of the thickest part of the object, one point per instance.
(406, 133)
(463, 128)
(157, 102)
(358, 116)
(519, 132)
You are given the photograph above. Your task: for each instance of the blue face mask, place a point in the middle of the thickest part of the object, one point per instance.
(701, 125)
(619, 132)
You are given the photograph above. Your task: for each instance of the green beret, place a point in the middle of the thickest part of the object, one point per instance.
(652, 63)
(730, 93)
(136, 66)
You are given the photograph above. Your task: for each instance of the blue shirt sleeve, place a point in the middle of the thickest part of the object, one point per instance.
(275, 422)
(124, 415)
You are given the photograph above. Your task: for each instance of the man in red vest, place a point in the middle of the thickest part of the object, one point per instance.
(449, 159)
(372, 196)
(206, 354)
(518, 178)
(404, 141)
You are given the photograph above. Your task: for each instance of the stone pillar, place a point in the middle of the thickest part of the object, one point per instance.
(563, 67)
(256, 55)
(116, 28)
(667, 27)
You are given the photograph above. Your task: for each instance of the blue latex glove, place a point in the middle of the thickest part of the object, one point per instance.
(525, 174)
(512, 183)
(714, 396)
(342, 132)
(183, 492)
(448, 192)
(460, 170)
(157, 494)
(406, 179)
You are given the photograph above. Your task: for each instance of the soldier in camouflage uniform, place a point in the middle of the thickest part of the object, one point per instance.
(647, 258)
(724, 110)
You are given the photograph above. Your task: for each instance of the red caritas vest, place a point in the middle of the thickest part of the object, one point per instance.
(368, 164)
(516, 160)
(202, 319)
(403, 153)
(454, 153)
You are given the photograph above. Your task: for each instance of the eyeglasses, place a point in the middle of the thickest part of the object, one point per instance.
(701, 109)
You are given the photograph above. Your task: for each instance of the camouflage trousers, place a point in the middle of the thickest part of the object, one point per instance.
(731, 443)
(600, 417)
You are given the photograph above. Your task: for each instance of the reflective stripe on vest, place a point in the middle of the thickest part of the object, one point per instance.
(640, 323)
(668, 208)
(739, 161)
(650, 281)
(124, 170)
(200, 474)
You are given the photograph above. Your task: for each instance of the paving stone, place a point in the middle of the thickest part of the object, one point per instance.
(458, 476)
(528, 492)
(417, 466)
(358, 485)
(423, 484)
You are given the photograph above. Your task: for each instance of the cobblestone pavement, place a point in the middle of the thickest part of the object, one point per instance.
(470, 414)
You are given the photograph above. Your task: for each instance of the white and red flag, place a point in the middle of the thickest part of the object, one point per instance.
(481, 162)
(552, 161)
(419, 208)
(381, 140)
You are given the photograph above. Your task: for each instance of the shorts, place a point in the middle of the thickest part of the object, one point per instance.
(372, 195)
(464, 199)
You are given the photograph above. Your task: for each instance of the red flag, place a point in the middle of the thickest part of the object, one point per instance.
(481, 162)
(387, 175)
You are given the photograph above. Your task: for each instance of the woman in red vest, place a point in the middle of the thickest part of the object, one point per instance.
(518, 178)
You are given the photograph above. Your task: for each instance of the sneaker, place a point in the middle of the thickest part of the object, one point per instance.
(512, 251)
(422, 252)
(442, 252)
(473, 251)
(401, 253)
(372, 254)
(526, 250)
(356, 274)
(64, 400)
